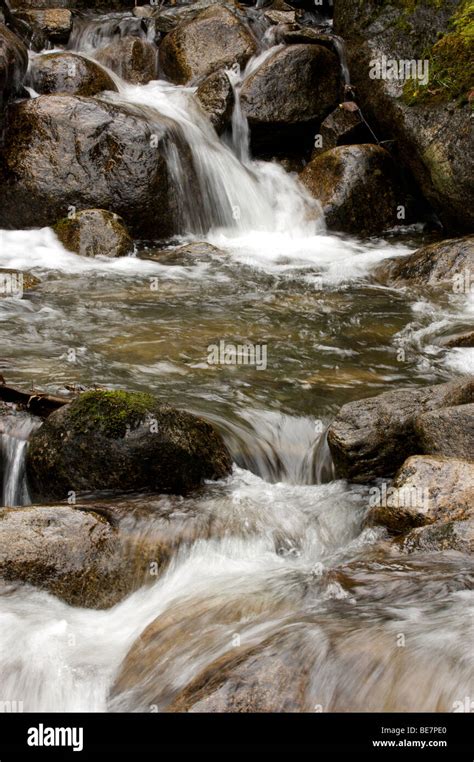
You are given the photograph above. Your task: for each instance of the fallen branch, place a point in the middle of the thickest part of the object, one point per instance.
(38, 403)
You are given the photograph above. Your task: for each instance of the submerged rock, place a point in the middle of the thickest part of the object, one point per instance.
(426, 489)
(371, 438)
(449, 431)
(449, 262)
(14, 282)
(132, 58)
(13, 63)
(104, 169)
(216, 97)
(458, 340)
(93, 233)
(290, 94)
(356, 186)
(426, 112)
(116, 440)
(68, 73)
(213, 40)
(73, 553)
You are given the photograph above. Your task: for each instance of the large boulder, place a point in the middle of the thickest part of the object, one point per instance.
(115, 161)
(449, 262)
(74, 553)
(93, 233)
(425, 490)
(216, 97)
(343, 126)
(372, 437)
(449, 431)
(114, 440)
(13, 63)
(357, 187)
(53, 26)
(132, 58)
(213, 40)
(428, 116)
(289, 94)
(68, 73)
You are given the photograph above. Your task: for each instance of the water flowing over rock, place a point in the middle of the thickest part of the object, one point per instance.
(123, 441)
(105, 168)
(68, 73)
(93, 233)
(13, 63)
(215, 39)
(133, 59)
(289, 94)
(357, 188)
(447, 262)
(372, 437)
(429, 117)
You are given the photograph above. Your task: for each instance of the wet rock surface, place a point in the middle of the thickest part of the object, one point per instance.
(93, 233)
(372, 437)
(68, 73)
(444, 263)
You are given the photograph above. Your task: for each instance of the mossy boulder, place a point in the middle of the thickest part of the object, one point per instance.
(104, 168)
(133, 59)
(216, 38)
(93, 233)
(357, 188)
(68, 73)
(117, 440)
(428, 118)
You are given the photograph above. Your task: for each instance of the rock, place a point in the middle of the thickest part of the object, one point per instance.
(213, 40)
(116, 440)
(426, 489)
(13, 63)
(112, 164)
(371, 438)
(132, 58)
(357, 188)
(458, 340)
(449, 262)
(73, 553)
(93, 233)
(42, 4)
(288, 96)
(430, 122)
(280, 17)
(449, 432)
(167, 19)
(53, 25)
(451, 535)
(343, 126)
(216, 97)
(68, 73)
(15, 282)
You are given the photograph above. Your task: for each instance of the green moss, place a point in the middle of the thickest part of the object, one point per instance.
(110, 412)
(451, 63)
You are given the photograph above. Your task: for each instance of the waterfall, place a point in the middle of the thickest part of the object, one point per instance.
(15, 432)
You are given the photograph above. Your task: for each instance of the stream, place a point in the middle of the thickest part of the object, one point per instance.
(293, 565)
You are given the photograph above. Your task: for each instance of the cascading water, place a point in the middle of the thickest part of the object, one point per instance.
(277, 559)
(15, 432)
